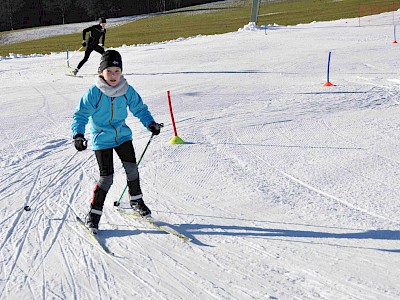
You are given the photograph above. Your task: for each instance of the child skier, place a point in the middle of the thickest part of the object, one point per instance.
(105, 105)
(95, 33)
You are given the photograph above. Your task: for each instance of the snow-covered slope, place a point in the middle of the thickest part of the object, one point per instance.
(289, 190)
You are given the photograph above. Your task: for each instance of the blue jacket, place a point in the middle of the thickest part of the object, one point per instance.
(107, 114)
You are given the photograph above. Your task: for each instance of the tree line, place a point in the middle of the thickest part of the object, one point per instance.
(17, 14)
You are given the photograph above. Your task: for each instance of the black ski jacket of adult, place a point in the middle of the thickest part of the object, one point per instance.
(95, 33)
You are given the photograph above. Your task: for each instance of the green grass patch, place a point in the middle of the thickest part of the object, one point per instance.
(292, 12)
(214, 18)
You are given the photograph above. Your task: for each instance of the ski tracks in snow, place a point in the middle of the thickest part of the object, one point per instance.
(299, 155)
(292, 150)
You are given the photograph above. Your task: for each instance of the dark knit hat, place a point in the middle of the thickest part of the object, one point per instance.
(110, 58)
(102, 20)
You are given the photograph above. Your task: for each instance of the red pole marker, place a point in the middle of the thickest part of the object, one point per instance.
(176, 139)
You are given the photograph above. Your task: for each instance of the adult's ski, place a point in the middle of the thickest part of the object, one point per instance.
(155, 223)
(93, 237)
(72, 75)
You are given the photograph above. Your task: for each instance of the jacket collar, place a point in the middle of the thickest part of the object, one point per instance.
(112, 91)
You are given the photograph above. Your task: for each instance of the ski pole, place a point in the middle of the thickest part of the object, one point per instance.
(116, 203)
(27, 207)
(56, 70)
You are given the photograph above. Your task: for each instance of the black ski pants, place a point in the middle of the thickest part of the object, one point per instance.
(126, 154)
(88, 51)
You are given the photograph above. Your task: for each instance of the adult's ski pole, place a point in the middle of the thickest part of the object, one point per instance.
(117, 203)
(27, 207)
(67, 60)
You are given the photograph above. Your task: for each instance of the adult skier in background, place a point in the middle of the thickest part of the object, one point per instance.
(96, 32)
(105, 105)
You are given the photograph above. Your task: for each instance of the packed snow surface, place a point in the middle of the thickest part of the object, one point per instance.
(288, 189)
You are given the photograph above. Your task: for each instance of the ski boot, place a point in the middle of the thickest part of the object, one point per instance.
(92, 221)
(139, 207)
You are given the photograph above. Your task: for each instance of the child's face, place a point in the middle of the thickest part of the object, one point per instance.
(112, 75)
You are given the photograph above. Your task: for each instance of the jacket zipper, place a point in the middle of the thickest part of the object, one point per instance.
(112, 117)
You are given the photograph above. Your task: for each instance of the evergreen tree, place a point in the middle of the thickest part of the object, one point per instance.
(9, 8)
(93, 8)
(59, 6)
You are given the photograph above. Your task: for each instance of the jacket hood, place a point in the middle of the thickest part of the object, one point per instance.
(112, 91)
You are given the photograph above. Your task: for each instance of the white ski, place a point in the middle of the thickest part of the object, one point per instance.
(155, 223)
(93, 237)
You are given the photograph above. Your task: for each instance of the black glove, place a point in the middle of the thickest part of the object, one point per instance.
(80, 142)
(155, 128)
(84, 43)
